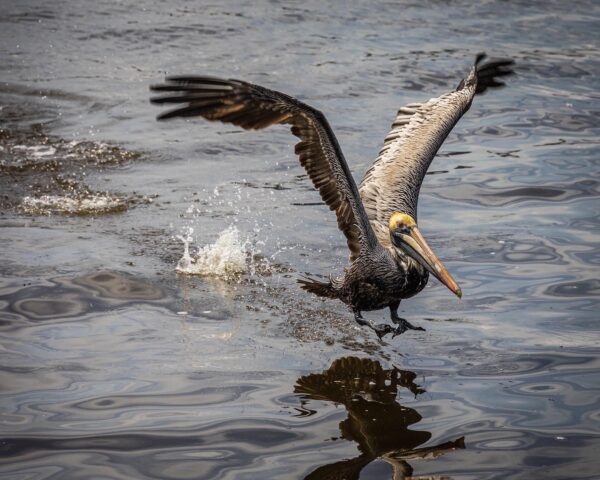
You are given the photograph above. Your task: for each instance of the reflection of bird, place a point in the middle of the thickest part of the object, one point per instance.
(376, 421)
(389, 258)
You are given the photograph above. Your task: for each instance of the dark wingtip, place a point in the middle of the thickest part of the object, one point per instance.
(195, 94)
(167, 115)
(155, 100)
(163, 116)
(480, 57)
(489, 72)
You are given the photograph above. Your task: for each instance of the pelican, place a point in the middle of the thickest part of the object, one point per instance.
(389, 258)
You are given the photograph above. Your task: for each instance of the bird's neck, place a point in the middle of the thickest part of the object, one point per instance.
(408, 264)
(414, 266)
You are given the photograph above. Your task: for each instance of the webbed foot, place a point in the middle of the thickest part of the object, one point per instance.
(382, 330)
(403, 326)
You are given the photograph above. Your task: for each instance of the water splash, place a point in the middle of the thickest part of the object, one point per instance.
(227, 258)
(234, 253)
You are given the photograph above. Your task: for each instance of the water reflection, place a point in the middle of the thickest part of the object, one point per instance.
(376, 421)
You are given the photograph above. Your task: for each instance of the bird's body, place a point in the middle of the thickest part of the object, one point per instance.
(373, 281)
(389, 259)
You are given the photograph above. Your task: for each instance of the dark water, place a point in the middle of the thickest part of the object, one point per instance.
(112, 365)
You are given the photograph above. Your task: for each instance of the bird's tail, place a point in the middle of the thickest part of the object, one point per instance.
(322, 289)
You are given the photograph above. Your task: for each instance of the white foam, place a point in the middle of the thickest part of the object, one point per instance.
(37, 151)
(226, 258)
(47, 204)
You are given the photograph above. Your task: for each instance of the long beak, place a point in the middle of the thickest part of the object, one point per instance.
(416, 246)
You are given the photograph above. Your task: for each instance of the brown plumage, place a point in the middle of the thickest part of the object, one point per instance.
(389, 259)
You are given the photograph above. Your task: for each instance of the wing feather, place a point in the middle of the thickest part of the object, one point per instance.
(393, 182)
(253, 107)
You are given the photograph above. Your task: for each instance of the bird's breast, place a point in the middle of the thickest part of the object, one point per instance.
(416, 279)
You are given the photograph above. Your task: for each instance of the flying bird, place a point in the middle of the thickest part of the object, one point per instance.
(389, 258)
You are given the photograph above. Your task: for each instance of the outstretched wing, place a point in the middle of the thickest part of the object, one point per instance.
(393, 182)
(253, 107)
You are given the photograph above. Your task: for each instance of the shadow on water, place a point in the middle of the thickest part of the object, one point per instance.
(376, 421)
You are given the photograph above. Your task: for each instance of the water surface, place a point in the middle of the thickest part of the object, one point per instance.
(114, 365)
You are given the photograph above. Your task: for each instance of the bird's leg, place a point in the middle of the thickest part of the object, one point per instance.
(381, 329)
(403, 324)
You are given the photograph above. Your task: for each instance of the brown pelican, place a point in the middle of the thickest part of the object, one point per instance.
(389, 258)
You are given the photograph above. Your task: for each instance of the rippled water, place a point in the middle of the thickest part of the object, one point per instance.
(113, 365)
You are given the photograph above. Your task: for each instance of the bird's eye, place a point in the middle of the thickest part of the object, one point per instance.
(403, 228)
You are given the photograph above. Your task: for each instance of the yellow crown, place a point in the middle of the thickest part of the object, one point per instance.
(398, 219)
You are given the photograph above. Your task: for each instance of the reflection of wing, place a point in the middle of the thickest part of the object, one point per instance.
(253, 107)
(427, 452)
(393, 182)
(344, 470)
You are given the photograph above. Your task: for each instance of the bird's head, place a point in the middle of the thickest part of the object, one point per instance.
(407, 238)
